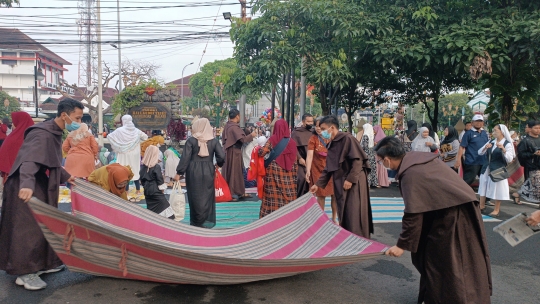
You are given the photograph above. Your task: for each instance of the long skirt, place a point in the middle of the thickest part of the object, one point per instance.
(382, 175)
(201, 193)
(279, 188)
(499, 191)
(530, 191)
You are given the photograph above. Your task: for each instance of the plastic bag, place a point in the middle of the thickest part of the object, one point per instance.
(177, 200)
(223, 193)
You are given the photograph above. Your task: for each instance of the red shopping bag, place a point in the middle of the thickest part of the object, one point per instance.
(223, 193)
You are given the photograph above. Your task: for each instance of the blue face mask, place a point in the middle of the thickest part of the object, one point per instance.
(73, 125)
(325, 134)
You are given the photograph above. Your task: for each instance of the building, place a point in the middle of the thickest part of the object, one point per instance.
(18, 55)
(178, 84)
(479, 101)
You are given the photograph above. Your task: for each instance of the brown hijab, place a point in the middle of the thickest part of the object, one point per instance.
(117, 175)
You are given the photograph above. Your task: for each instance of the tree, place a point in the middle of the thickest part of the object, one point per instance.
(136, 73)
(13, 105)
(132, 96)
(216, 85)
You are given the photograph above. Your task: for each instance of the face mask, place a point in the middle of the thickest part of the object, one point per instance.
(158, 145)
(325, 134)
(382, 163)
(72, 126)
(309, 127)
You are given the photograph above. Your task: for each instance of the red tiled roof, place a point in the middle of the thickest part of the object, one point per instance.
(15, 39)
(178, 84)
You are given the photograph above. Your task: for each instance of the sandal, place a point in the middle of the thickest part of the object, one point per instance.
(516, 200)
(134, 199)
(493, 215)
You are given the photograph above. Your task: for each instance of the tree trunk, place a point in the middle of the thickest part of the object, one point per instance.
(322, 99)
(349, 119)
(507, 106)
(435, 120)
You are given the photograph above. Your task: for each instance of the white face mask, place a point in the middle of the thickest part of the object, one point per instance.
(382, 163)
(158, 145)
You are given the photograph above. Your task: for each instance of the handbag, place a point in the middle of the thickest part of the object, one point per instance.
(499, 174)
(223, 193)
(177, 200)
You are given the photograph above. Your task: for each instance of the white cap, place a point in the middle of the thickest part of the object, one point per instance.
(478, 117)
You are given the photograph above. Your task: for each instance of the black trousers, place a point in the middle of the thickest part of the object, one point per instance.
(470, 172)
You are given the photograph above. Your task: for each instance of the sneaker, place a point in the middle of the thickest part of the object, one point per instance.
(31, 282)
(53, 270)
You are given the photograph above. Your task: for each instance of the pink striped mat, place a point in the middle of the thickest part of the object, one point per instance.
(107, 236)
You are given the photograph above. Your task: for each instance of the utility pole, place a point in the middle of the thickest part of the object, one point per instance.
(287, 116)
(302, 89)
(273, 104)
(100, 77)
(119, 46)
(282, 108)
(293, 97)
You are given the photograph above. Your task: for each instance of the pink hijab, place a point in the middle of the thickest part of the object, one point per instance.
(380, 133)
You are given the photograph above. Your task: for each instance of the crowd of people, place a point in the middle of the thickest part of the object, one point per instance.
(283, 163)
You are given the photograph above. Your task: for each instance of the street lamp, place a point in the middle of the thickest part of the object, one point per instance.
(227, 16)
(38, 76)
(182, 88)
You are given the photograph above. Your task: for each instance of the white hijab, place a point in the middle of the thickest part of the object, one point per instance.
(506, 134)
(419, 143)
(125, 138)
(368, 131)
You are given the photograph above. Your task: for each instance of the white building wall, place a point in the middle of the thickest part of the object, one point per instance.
(18, 80)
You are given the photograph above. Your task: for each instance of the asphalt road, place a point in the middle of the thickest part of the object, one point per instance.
(516, 274)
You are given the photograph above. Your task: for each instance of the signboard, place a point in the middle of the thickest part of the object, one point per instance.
(151, 115)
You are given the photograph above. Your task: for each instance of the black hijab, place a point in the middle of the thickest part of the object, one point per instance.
(412, 127)
(430, 128)
(452, 135)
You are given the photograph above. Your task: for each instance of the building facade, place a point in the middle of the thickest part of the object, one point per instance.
(18, 56)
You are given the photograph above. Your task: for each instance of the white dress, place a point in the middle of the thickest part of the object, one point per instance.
(171, 163)
(499, 191)
(132, 157)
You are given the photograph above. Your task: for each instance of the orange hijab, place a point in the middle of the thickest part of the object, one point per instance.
(118, 174)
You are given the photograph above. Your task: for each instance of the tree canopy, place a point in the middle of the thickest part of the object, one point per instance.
(419, 50)
(13, 105)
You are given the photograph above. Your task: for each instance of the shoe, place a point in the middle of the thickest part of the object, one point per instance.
(488, 203)
(493, 215)
(31, 282)
(516, 200)
(53, 270)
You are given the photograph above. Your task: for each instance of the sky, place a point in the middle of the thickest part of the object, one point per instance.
(154, 31)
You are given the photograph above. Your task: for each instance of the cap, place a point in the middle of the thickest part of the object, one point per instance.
(478, 117)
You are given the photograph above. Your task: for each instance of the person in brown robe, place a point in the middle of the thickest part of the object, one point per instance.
(233, 138)
(348, 165)
(442, 227)
(37, 172)
(301, 136)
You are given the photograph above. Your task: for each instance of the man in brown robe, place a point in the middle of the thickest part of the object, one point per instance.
(348, 165)
(37, 172)
(442, 227)
(233, 138)
(301, 136)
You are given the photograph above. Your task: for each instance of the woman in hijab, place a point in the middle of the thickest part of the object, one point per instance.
(112, 178)
(153, 184)
(424, 142)
(280, 179)
(432, 133)
(410, 135)
(198, 167)
(367, 145)
(360, 132)
(13, 142)
(82, 150)
(126, 142)
(500, 152)
(382, 172)
(450, 147)
(315, 164)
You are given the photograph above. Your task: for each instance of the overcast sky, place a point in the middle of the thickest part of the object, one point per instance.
(56, 20)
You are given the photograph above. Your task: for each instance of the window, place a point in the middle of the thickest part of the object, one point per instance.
(27, 55)
(9, 62)
(9, 54)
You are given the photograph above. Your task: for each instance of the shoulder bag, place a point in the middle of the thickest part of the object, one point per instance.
(276, 151)
(499, 174)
